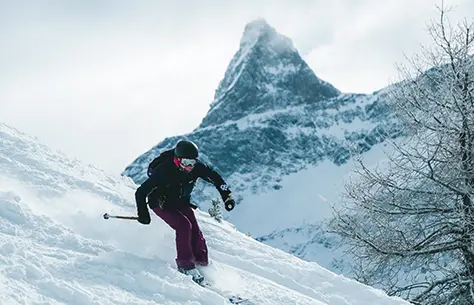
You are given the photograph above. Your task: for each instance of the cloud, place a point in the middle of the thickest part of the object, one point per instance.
(373, 39)
(106, 80)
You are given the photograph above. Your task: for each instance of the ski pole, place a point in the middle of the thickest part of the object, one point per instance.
(107, 216)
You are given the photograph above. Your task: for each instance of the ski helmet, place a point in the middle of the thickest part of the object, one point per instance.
(186, 149)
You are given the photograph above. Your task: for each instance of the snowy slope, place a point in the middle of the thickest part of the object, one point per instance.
(56, 249)
(300, 209)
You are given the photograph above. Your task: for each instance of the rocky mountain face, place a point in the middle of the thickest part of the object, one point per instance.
(272, 116)
(266, 73)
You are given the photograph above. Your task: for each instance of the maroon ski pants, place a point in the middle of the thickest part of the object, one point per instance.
(190, 243)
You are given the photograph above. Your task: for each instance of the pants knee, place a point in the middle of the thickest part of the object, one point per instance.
(185, 226)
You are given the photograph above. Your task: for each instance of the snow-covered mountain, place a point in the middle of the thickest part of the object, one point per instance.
(274, 120)
(266, 73)
(55, 247)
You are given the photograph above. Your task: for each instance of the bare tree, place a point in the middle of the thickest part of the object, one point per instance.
(409, 223)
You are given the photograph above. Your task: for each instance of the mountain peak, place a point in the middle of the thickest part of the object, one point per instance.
(256, 27)
(260, 31)
(257, 24)
(266, 73)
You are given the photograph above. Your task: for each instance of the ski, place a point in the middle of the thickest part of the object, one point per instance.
(233, 299)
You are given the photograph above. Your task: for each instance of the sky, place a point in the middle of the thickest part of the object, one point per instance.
(104, 81)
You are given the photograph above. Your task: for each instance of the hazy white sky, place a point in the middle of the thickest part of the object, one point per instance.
(104, 81)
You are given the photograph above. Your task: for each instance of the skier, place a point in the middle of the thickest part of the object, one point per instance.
(171, 179)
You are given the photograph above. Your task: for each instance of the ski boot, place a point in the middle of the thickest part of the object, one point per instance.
(194, 273)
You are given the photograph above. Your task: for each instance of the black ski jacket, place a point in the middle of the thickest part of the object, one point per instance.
(168, 186)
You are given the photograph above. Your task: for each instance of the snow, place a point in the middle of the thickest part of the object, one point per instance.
(236, 78)
(235, 63)
(313, 190)
(342, 128)
(271, 89)
(55, 248)
(253, 119)
(296, 131)
(300, 209)
(281, 69)
(337, 130)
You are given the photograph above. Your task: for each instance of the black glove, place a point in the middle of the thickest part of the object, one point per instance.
(144, 216)
(229, 203)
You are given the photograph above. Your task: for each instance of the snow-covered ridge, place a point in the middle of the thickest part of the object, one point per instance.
(55, 248)
(333, 107)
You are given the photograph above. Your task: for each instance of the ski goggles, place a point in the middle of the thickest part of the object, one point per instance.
(187, 162)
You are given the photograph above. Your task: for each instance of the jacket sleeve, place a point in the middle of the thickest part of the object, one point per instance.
(210, 175)
(147, 187)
